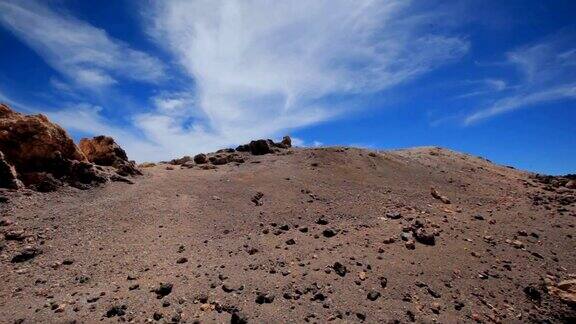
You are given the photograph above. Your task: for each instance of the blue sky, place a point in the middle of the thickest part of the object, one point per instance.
(172, 78)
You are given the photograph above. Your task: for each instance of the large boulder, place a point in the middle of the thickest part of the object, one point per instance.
(261, 147)
(37, 151)
(103, 150)
(32, 143)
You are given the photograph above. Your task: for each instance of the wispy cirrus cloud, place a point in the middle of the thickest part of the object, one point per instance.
(250, 69)
(86, 55)
(547, 73)
(261, 67)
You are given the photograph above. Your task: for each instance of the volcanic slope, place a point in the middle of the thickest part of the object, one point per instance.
(315, 235)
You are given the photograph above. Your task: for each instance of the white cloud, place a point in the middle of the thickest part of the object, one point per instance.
(257, 68)
(548, 74)
(86, 55)
(262, 68)
(88, 120)
(483, 87)
(524, 100)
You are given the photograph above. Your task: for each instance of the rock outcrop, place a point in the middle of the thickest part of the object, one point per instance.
(39, 154)
(229, 155)
(103, 150)
(32, 143)
(265, 146)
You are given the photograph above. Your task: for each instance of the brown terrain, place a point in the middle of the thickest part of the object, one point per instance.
(271, 233)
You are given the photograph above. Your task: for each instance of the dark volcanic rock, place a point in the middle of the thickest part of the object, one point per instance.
(424, 237)
(340, 269)
(373, 295)
(200, 158)
(261, 147)
(116, 311)
(329, 232)
(28, 253)
(262, 298)
(163, 290)
(265, 146)
(238, 318)
(257, 199)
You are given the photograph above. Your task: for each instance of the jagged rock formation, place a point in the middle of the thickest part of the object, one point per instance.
(41, 155)
(103, 150)
(32, 143)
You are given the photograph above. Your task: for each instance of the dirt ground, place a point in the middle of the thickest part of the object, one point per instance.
(309, 235)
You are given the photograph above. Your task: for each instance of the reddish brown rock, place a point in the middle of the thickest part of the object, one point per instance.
(41, 153)
(31, 142)
(438, 196)
(103, 150)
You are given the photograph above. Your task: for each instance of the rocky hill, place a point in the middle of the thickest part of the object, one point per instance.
(271, 233)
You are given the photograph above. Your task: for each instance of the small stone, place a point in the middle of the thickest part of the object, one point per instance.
(205, 307)
(228, 288)
(134, 287)
(290, 242)
(116, 311)
(389, 240)
(15, 235)
(322, 221)
(182, 260)
(262, 298)
(329, 233)
(373, 295)
(257, 199)
(59, 308)
(28, 253)
(438, 196)
(157, 316)
(424, 237)
(393, 215)
(238, 318)
(518, 244)
(383, 282)
(522, 233)
(433, 293)
(436, 307)
(163, 290)
(410, 244)
(340, 269)
(533, 293)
